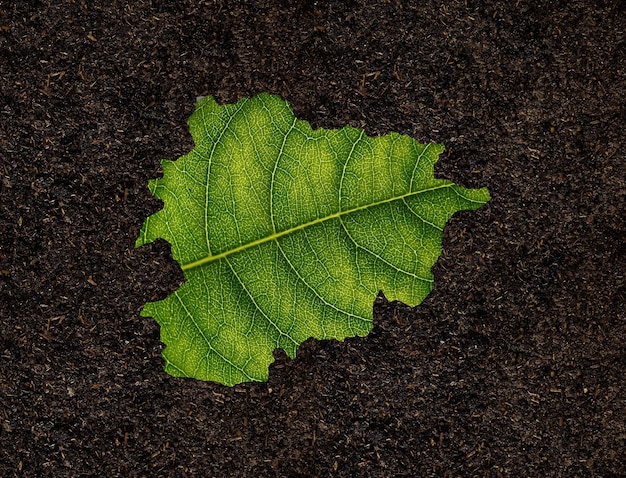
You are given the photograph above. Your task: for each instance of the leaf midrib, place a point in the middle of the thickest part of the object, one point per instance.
(278, 235)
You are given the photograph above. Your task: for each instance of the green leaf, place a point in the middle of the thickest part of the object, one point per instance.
(284, 233)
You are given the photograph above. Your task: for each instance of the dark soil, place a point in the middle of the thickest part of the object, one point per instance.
(514, 366)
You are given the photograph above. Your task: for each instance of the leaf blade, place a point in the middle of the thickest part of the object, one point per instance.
(285, 233)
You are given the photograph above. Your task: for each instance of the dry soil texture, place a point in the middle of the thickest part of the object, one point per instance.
(515, 364)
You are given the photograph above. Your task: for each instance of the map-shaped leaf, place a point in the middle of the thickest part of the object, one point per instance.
(284, 233)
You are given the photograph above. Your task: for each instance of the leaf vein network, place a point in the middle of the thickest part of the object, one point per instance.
(312, 289)
(278, 156)
(207, 340)
(271, 237)
(359, 246)
(257, 306)
(208, 170)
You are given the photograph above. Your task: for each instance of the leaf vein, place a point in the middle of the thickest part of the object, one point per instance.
(271, 237)
(312, 289)
(251, 297)
(207, 340)
(359, 246)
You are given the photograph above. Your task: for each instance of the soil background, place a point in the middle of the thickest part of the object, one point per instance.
(513, 366)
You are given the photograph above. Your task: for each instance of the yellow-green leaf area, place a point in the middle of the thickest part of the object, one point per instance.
(285, 233)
